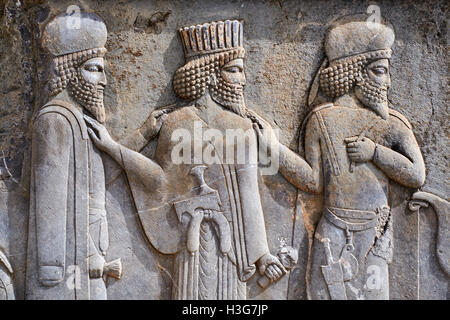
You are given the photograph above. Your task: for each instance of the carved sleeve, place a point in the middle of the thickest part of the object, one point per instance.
(135, 141)
(146, 178)
(51, 151)
(305, 174)
(404, 162)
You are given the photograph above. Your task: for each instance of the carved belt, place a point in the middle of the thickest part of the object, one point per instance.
(339, 216)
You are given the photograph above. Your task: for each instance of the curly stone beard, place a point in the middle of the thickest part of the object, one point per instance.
(230, 95)
(90, 96)
(372, 95)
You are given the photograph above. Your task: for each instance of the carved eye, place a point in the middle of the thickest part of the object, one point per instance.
(93, 68)
(233, 69)
(379, 70)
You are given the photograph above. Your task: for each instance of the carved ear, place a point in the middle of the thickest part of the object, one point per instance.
(315, 85)
(74, 78)
(212, 79)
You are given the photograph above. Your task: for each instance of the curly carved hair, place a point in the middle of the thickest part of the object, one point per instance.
(191, 80)
(339, 78)
(66, 67)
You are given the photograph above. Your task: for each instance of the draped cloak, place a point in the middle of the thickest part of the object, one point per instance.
(206, 273)
(66, 192)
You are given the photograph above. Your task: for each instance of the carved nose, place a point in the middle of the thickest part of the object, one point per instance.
(103, 81)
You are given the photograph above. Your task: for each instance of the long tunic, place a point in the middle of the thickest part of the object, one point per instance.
(67, 217)
(205, 273)
(358, 195)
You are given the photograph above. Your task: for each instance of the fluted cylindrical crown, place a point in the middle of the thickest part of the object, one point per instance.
(212, 37)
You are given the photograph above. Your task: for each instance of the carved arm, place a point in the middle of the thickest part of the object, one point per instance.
(305, 174)
(405, 166)
(51, 151)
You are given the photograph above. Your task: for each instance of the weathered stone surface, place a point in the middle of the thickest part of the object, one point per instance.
(284, 43)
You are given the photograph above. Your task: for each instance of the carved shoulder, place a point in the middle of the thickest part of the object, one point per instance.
(322, 107)
(313, 111)
(306, 121)
(180, 115)
(400, 117)
(53, 125)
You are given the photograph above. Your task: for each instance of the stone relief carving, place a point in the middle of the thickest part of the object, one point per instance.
(442, 209)
(6, 271)
(68, 228)
(354, 145)
(288, 257)
(198, 200)
(214, 216)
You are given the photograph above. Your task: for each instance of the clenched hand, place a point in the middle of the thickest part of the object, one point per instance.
(154, 122)
(361, 150)
(271, 267)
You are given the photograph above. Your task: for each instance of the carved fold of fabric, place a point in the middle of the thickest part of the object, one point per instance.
(331, 150)
(6, 286)
(78, 189)
(98, 229)
(146, 178)
(245, 272)
(206, 275)
(250, 217)
(230, 287)
(186, 276)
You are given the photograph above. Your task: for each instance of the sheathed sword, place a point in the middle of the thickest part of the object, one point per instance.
(333, 274)
(204, 206)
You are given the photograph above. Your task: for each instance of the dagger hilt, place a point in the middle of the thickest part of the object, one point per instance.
(198, 173)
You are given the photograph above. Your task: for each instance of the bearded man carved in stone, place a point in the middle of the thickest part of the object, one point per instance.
(353, 147)
(214, 227)
(68, 230)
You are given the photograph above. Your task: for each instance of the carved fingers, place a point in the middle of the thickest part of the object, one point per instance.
(154, 122)
(256, 118)
(261, 137)
(100, 135)
(92, 122)
(264, 131)
(93, 125)
(360, 150)
(271, 267)
(273, 272)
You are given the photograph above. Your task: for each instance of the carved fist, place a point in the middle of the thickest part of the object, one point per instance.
(264, 131)
(269, 265)
(96, 265)
(154, 122)
(361, 150)
(100, 135)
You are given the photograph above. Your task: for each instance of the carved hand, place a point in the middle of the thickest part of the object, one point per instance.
(100, 136)
(96, 265)
(361, 150)
(269, 265)
(264, 131)
(154, 122)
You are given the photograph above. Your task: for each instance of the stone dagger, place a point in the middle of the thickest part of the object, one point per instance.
(204, 206)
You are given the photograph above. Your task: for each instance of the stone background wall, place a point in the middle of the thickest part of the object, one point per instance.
(284, 42)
